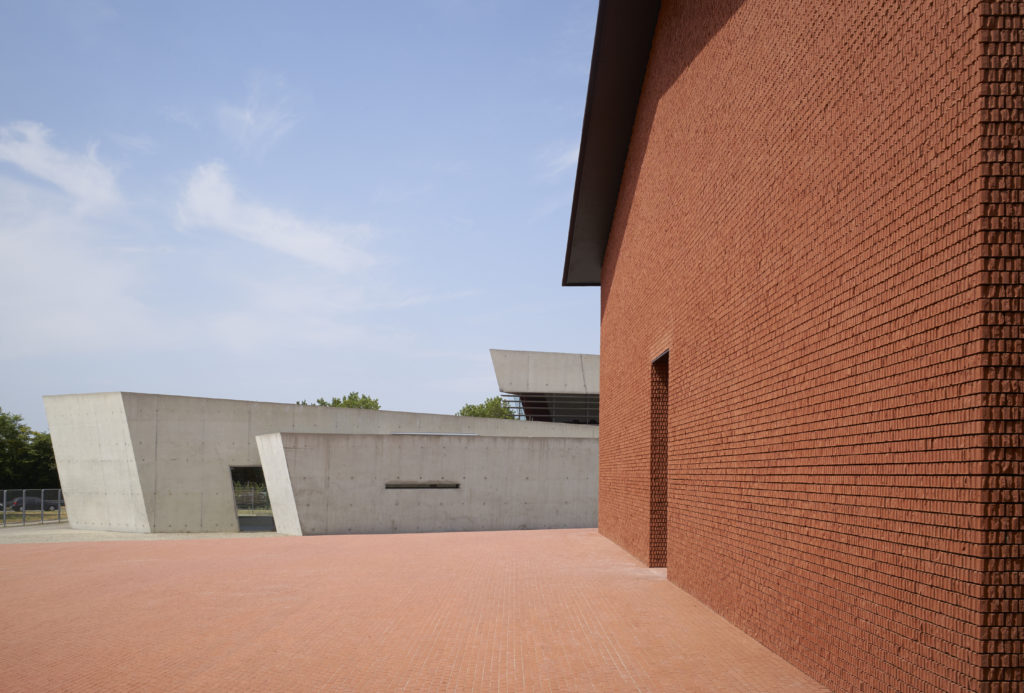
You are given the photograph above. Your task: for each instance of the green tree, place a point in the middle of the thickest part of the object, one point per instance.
(26, 456)
(42, 461)
(353, 400)
(15, 438)
(491, 408)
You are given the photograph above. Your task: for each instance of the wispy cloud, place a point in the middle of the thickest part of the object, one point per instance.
(58, 254)
(83, 176)
(73, 291)
(265, 117)
(210, 201)
(558, 160)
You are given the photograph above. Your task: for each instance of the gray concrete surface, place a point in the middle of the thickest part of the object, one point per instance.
(335, 484)
(161, 463)
(61, 533)
(97, 463)
(545, 371)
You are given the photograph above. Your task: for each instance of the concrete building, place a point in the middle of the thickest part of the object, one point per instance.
(549, 386)
(365, 484)
(806, 221)
(159, 463)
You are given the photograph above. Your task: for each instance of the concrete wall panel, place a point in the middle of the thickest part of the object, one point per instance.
(279, 484)
(101, 488)
(338, 482)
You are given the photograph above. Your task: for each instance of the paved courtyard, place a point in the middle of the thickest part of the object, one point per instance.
(551, 610)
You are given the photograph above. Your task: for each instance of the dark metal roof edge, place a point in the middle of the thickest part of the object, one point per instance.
(615, 42)
(583, 148)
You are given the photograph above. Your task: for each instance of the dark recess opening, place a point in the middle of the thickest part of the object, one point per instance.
(658, 542)
(420, 484)
(252, 503)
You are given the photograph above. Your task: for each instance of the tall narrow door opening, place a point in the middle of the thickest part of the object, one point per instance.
(252, 503)
(658, 541)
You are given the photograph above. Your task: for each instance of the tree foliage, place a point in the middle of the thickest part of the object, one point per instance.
(353, 400)
(26, 456)
(491, 408)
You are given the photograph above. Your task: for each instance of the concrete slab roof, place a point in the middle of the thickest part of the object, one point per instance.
(622, 44)
(545, 371)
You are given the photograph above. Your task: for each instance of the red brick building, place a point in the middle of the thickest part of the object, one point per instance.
(807, 222)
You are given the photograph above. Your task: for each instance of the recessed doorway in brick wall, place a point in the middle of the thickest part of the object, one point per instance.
(657, 546)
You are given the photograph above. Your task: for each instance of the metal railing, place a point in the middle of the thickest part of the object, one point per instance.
(32, 506)
(252, 500)
(553, 407)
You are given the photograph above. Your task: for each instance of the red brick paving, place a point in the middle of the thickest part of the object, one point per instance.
(553, 610)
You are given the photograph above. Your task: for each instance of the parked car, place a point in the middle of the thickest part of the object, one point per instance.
(34, 503)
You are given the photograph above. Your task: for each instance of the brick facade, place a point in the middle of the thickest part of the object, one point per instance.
(821, 218)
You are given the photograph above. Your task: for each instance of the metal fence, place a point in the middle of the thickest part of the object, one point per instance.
(252, 500)
(32, 506)
(553, 406)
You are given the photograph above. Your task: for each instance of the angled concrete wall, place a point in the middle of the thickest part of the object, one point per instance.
(99, 475)
(161, 463)
(335, 484)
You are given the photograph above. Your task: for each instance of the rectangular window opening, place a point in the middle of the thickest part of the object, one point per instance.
(252, 502)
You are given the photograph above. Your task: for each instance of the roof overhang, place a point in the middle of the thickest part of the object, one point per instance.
(532, 372)
(622, 44)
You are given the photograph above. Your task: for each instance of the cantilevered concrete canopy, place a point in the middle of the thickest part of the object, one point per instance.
(549, 386)
(622, 44)
(547, 371)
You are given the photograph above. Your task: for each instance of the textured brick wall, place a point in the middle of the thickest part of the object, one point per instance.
(821, 218)
(1001, 281)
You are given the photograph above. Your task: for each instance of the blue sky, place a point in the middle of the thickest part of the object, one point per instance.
(278, 201)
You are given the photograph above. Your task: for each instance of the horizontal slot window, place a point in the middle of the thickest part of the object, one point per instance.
(421, 484)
